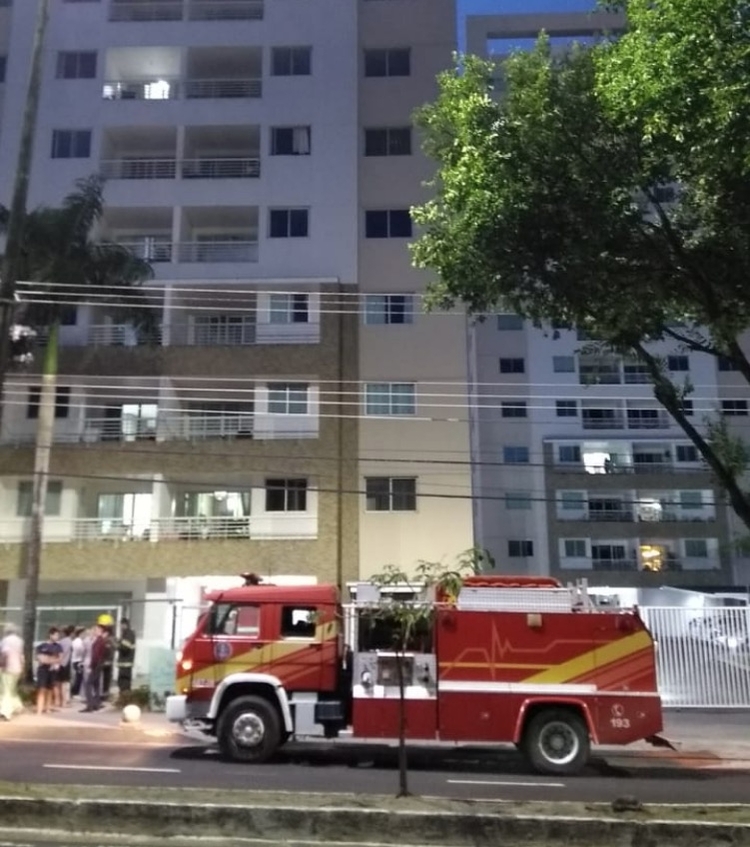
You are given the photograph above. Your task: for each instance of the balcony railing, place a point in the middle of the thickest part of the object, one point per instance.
(151, 249)
(241, 168)
(630, 468)
(278, 526)
(201, 89)
(610, 422)
(217, 251)
(174, 89)
(655, 422)
(178, 10)
(119, 335)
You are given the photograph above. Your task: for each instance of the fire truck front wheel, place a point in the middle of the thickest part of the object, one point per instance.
(249, 730)
(556, 741)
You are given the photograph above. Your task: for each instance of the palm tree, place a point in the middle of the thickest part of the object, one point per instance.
(60, 255)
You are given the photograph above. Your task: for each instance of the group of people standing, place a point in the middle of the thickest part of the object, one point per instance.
(72, 661)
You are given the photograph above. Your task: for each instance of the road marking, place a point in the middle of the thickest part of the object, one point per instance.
(506, 784)
(110, 768)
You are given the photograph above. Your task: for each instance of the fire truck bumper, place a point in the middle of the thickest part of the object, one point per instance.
(176, 707)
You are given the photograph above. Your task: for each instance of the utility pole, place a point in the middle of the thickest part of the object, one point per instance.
(12, 261)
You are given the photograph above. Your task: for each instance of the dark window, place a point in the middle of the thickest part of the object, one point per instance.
(686, 453)
(390, 141)
(687, 407)
(227, 619)
(288, 223)
(513, 410)
(566, 408)
(286, 495)
(506, 322)
(290, 141)
(52, 503)
(726, 364)
(71, 143)
(62, 402)
(388, 223)
(388, 62)
(3, 67)
(298, 621)
(678, 363)
(76, 65)
(512, 366)
(569, 453)
(291, 61)
(520, 549)
(734, 407)
(391, 494)
(515, 455)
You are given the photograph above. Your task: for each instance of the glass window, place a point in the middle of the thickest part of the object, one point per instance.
(512, 366)
(520, 549)
(734, 407)
(566, 408)
(388, 223)
(390, 494)
(389, 309)
(575, 548)
(390, 398)
(387, 62)
(388, 141)
(286, 495)
(574, 501)
(288, 223)
(287, 398)
(678, 363)
(76, 65)
(298, 621)
(563, 364)
(696, 548)
(687, 453)
(509, 322)
(71, 144)
(291, 61)
(691, 499)
(517, 500)
(569, 453)
(515, 455)
(290, 141)
(289, 309)
(25, 499)
(513, 410)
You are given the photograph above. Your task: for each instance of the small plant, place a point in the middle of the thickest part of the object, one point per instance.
(140, 697)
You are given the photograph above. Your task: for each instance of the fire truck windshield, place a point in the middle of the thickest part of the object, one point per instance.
(222, 619)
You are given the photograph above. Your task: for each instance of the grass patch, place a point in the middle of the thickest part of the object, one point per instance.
(732, 814)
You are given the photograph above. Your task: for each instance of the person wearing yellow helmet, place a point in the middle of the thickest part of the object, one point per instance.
(105, 620)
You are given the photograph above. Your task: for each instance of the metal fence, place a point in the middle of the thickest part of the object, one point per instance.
(703, 655)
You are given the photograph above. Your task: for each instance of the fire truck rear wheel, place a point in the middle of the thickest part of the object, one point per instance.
(556, 741)
(249, 730)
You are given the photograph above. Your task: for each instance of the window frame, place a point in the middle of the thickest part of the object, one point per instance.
(285, 401)
(294, 217)
(72, 142)
(386, 57)
(387, 141)
(25, 495)
(512, 365)
(295, 309)
(394, 500)
(524, 548)
(392, 403)
(381, 223)
(293, 494)
(275, 148)
(291, 60)
(387, 309)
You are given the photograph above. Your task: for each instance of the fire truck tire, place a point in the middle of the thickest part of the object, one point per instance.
(556, 741)
(249, 730)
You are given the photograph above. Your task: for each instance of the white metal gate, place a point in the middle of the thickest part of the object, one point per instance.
(703, 655)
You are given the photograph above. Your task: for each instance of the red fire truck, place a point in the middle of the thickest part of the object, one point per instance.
(522, 660)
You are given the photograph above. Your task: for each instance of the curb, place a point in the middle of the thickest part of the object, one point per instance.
(358, 826)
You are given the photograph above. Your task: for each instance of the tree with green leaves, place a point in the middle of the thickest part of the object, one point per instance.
(61, 255)
(409, 614)
(608, 189)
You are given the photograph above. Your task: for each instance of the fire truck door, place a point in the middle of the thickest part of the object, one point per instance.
(304, 657)
(236, 640)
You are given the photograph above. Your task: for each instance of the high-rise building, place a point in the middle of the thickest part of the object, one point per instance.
(579, 472)
(287, 409)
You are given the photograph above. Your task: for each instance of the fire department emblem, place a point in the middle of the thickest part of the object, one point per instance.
(618, 710)
(222, 650)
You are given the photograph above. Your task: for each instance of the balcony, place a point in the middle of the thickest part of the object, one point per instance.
(189, 89)
(599, 419)
(217, 251)
(246, 168)
(272, 526)
(179, 10)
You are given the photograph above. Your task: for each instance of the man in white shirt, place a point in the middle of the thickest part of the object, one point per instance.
(11, 663)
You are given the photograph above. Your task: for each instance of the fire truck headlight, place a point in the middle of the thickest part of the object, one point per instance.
(366, 679)
(186, 665)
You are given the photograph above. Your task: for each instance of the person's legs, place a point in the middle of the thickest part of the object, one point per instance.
(125, 678)
(6, 707)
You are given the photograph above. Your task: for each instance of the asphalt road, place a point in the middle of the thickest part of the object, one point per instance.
(461, 773)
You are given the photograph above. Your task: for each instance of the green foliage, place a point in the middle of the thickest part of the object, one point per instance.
(142, 697)
(607, 189)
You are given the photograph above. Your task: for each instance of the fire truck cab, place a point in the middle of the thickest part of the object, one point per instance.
(514, 660)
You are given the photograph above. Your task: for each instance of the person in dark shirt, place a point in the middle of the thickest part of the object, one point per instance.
(92, 683)
(125, 656)
(48, 656)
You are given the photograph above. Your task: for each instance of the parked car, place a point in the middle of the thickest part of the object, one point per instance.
(727, 629)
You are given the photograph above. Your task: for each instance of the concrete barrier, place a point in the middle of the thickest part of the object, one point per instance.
(353, 825)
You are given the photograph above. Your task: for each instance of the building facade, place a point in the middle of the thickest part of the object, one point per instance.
(276, 415)
(578, 471)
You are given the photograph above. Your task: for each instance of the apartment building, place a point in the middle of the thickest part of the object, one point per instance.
(260, 154)
(579, 472)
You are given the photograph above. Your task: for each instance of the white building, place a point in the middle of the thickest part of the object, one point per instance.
(287, 413)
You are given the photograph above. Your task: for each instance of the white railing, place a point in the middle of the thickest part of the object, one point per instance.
(702, 655)
(196, 89)
(151, 249)
(141, 89)
(217, 251)
(177, 10)
(218, 426)
(276, 526)
(138, 168)
(225, 10)
(222, 334)
(145, 10)
(628, 516)
(120, 335)
(228, 168)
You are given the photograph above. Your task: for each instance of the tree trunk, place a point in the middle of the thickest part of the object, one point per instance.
(403, 770)
(11, 265)
(44, 433)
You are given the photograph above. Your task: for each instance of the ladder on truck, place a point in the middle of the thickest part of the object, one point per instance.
(523, 594)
